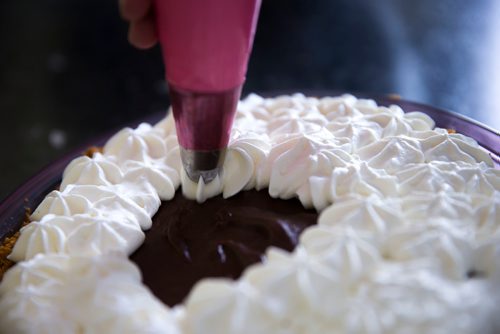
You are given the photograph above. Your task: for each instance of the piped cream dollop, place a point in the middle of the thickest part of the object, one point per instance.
(79, 294)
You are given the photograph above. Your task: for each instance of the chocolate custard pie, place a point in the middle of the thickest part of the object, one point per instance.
(332, 215)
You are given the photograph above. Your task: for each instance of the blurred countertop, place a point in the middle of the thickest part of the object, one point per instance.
(68, 74)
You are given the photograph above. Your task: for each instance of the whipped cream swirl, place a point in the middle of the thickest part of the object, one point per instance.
(60, 293)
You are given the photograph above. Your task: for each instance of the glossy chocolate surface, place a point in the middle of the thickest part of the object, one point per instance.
(218, 238)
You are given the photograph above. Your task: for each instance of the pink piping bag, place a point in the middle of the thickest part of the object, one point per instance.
(206, 45)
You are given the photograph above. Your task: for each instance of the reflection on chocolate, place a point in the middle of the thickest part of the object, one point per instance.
(218, 238)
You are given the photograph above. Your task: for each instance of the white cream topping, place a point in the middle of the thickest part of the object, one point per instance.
(407, 239)
(366, 214)
(453, 250)
(454, 147)
(148, 153)
(220, 306)
(349, 252)
(96, 171)
(297, 288)
(410, 298)
(448, 176)
(119, 202)
(355, 178)
(78, 234)
(77, 294)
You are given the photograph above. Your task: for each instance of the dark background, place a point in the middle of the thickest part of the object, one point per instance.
(68, 74)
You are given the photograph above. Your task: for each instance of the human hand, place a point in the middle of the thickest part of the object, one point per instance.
(139, 13)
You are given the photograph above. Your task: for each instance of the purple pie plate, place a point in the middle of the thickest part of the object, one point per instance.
(32, 192)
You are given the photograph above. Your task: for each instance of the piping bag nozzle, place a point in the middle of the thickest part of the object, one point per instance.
(206, 165)
(203, 122)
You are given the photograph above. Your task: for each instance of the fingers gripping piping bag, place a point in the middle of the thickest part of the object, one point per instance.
(206, 45)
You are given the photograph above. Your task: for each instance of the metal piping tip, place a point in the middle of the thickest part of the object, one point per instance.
(204, 164)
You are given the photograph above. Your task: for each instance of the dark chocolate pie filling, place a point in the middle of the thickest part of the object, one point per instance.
(219, 238)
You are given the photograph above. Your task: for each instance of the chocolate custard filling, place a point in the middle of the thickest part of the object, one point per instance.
(219, 238)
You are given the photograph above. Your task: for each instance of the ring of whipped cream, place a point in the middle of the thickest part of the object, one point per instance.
(407, 240)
